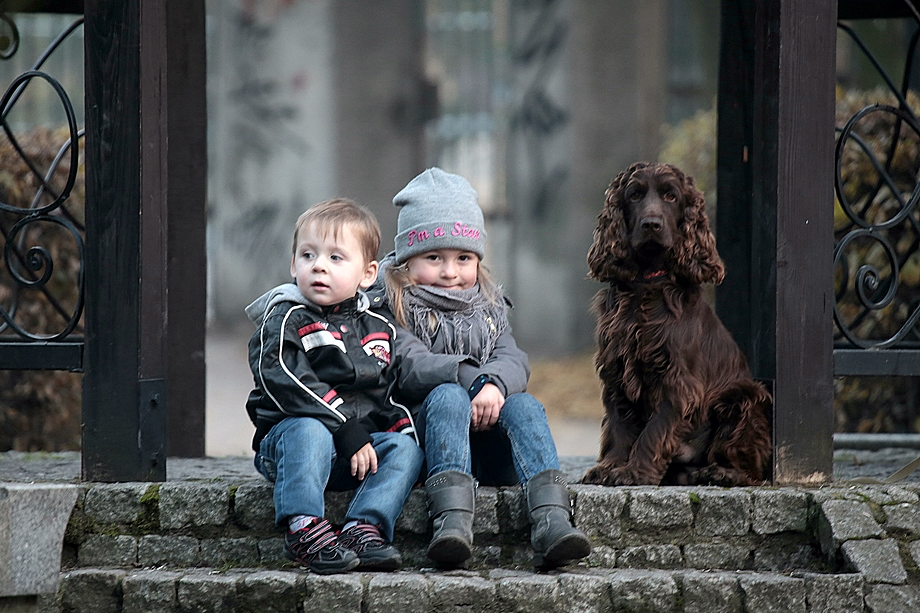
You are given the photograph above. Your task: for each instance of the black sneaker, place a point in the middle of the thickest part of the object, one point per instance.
(317, 548)
(374, 552)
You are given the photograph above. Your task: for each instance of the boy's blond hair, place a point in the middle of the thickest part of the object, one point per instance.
(333, 215)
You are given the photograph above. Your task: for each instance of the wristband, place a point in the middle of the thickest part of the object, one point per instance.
(478, 384)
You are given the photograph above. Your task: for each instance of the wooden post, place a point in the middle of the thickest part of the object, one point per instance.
(144, 303)
(785, 219)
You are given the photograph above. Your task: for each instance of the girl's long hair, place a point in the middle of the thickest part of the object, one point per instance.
(397, 280)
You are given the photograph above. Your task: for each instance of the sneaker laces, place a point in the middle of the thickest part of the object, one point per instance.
(320, 536)
(361, 536)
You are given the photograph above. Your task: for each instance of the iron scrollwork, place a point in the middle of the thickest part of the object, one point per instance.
(877, 229)
(30, 267)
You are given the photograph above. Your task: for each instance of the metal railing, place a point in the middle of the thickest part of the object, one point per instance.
(877, 229)
(30, 268)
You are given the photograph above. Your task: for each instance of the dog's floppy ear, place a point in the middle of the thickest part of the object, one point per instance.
(696, 255)
(608, 258)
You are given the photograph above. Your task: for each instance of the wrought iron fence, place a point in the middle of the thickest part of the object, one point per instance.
(877, 225)
(42, 233)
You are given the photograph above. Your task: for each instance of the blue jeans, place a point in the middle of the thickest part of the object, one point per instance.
(517, 448)
(299, 457)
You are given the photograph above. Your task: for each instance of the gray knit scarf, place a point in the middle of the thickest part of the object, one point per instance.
(463, 318)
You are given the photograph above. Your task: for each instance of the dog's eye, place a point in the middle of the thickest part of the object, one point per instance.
(669, 196)
(635, 195)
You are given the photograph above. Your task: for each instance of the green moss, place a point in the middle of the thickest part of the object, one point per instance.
(694, 498)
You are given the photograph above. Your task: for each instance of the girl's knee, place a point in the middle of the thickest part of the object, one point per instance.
(523, 404)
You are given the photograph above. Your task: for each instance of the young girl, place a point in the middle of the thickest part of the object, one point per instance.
(486, 426)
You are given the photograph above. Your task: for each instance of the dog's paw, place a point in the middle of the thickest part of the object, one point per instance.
(601, 474)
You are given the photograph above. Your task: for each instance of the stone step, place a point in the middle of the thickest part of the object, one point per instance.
(222, 523)
(94, 590)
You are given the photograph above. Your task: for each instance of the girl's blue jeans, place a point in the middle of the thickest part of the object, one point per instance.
(518, 447)
(299, 457)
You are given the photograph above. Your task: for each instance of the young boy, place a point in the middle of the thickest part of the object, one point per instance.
(321, 403)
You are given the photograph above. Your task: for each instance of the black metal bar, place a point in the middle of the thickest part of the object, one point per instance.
(42, 355)
(873, 9)
(43, 6)
(887, 362)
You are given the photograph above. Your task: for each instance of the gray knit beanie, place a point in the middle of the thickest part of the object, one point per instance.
(438, 210)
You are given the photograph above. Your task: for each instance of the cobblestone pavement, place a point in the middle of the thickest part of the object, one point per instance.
(65, 467)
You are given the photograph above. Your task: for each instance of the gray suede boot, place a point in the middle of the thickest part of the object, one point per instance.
(555, 541)
(451, 503)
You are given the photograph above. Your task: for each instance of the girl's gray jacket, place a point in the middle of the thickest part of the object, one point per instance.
(507, 367)
(339, 364)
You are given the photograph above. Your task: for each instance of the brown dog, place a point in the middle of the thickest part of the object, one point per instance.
(681, 406)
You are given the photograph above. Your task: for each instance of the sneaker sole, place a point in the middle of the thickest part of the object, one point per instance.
(330, 569)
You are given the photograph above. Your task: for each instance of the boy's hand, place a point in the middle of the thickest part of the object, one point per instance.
(486, 406)
(364, 462)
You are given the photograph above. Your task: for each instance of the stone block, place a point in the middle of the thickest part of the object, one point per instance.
(528, 593)
(706, 556)
(877, 559)
(782, 510)
(773, 594)
(254, 506)
(584, 593)
(787, 556)
(192, 504)
(222, 551)
(337, 504)
(396, 593)
(92, 590)
(414, 516)
(206, 592)
(461, 593)
(270, 591)
(115, 503)
(339, 593)
(271, 550)
(915, 552)
(33, 518)
(102, 550)
(834, 593)
(711, 593)
(599, 511)
(155, 550)
(633, 591)
(149, 592)
(650, 556)
(903, 518)
(723, 512)
(485, 521)
(660, 509)
(512, 510)
(843, 520)
(893, 599)
(603, 556)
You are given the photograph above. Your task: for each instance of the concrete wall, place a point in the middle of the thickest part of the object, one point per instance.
(589, 85)
(312, 99)
(307, 100)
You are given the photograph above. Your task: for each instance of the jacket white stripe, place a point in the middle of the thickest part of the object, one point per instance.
(331, 407)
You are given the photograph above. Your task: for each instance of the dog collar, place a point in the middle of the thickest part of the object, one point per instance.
(654, 275)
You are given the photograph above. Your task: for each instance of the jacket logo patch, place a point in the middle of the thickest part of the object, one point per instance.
(377, 344)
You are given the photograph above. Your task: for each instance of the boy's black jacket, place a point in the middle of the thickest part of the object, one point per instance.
(338, 364)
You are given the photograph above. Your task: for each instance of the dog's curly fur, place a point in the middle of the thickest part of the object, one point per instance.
(681, 406)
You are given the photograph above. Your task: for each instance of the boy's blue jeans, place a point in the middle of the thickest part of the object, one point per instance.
(298, 455)
(518, 447)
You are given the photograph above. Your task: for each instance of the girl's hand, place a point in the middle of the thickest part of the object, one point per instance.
(486, 406)
(364, 462)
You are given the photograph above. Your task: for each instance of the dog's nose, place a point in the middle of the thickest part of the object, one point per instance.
(650, 224)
